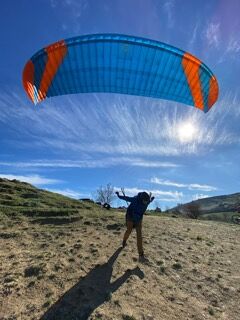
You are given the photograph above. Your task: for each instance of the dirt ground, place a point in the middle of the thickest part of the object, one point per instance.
(79, 271)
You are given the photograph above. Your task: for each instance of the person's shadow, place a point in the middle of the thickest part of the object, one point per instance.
(90, 292)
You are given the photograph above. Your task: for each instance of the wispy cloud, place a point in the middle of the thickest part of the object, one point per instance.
(212, 34)
(168, 8)
(168, 196)
(171, 196)
(91, 163)
(193, 37)
(233, 45)
(231, 49)
(112, 125)
(70, 193)
(191, 186)
(33, 179)
(74, 10)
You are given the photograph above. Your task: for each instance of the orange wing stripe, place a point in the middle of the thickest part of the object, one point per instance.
(28, 80)
(191, 67)
(213, 92)
(56, 53)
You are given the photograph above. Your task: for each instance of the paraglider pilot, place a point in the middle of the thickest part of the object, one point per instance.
(134, 215)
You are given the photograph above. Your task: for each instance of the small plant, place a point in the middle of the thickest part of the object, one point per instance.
(210, 243)
(49, 294)
(47, 304)
(117, 303)
(32, 271)
(162, 269)
(211, 311)
(126, 317)
(177, 266)
(31, 284)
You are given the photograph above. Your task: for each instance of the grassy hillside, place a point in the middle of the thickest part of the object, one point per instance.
(219, 208)
(223, 203)
(22, 199)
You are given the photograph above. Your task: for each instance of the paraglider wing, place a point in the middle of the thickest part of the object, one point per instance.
(119, 64)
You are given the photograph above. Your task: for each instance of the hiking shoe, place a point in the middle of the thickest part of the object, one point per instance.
(143, 259)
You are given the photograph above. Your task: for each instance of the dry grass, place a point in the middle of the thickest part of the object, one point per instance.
(74, 270)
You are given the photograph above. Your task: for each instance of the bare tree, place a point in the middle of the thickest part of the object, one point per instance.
(192, 210)
(105, 194)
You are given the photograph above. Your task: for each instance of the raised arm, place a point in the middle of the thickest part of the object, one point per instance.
(128, 199)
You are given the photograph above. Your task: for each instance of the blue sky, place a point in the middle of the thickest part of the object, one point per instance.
(76, 143)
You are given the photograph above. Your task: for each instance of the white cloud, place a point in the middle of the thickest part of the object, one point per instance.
(199, 196)
(193, 36)
(168, 196)
(166, 183)
(113, 125)
(70, 193)
(233, 45)
(33, 179)
(201, 187)
(153, 164)
(191, 186)
(212, 34)
(158, 194)
(231, 50)
(91, 163)
(168, 8)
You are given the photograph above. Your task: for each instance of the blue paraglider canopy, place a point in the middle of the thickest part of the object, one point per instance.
(119, 64)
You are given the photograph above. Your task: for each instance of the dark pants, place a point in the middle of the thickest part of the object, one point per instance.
(130, 225)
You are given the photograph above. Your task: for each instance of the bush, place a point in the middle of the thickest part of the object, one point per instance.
(192, 210)
(177, 266)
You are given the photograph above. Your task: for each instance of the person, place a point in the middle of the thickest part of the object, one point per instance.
(134, 215)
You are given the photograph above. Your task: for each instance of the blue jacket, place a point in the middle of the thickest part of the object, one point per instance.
(136, 208)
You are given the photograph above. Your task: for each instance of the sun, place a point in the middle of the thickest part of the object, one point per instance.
(186, 132)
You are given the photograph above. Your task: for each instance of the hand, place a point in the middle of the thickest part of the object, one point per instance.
(152, 199)
(117, 193)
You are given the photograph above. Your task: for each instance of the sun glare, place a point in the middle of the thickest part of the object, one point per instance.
(186, 132)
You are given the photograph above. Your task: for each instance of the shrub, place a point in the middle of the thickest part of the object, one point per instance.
(177, 266)
(192, 210)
